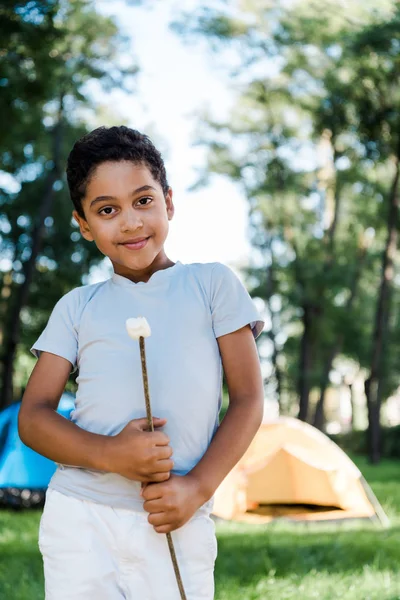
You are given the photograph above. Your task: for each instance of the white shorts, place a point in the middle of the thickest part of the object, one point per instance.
(95, 552)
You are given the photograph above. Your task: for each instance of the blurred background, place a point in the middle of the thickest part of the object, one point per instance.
(279, 123)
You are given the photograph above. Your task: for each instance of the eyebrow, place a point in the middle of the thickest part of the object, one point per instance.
(144, 188)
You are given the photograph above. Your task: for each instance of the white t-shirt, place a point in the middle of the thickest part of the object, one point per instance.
(187, 307)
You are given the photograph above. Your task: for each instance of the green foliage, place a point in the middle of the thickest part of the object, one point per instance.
(56, 54)
(28, 35)
(311, 141)
(355, 442)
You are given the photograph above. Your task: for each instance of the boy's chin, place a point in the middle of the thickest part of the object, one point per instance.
(133, 266)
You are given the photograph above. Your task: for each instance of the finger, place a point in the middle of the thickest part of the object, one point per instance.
(159, 438)
(165, 528)
(163, 465)
(157, 478)
(157, 422)
(140, 424)
(153, 506)
(159, 519)
(163, 452)
(160, 477)
(143, 424)
(153, 491)
(159, 466)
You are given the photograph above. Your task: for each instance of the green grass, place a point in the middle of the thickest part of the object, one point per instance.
(20, 562)
(353, 561)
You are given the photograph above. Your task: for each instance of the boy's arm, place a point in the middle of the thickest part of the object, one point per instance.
(133, 453)
(244, 415)
(184, 495)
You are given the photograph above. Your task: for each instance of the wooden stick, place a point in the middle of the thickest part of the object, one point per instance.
(151, 427)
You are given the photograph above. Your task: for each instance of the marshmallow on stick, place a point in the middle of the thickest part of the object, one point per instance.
(139, 329)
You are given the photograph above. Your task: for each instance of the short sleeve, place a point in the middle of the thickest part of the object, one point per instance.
(60, 336)
(231, 305)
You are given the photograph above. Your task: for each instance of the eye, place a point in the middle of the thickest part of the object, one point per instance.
(106, 210)
(145, 201)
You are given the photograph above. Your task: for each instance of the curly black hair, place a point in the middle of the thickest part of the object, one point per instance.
(110, 144)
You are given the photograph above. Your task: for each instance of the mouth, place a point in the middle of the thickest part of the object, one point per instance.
(137, 244)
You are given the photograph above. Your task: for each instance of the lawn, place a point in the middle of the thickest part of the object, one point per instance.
(278, 561)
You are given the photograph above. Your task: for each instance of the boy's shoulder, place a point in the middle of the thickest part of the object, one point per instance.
(210, 277)
(82, 294)
(208, 268)
(211, 273)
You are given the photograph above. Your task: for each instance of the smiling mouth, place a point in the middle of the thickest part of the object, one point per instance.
(136, 245)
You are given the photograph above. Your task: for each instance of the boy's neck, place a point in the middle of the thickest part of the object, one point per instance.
(144, 274)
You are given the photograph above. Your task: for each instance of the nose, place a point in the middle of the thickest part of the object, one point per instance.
(130, 220)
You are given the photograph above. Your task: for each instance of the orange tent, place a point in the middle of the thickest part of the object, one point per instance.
(293, 470)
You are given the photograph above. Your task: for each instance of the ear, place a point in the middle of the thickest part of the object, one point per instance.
(169, 204)
(83, 226)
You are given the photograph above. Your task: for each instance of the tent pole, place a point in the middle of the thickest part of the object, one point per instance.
(380, 513)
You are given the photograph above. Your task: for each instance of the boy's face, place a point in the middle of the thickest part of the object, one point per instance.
(127, 215)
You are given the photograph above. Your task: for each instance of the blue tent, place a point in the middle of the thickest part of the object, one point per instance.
(21, 467)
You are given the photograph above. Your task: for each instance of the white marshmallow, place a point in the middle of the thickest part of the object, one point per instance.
(138, 327)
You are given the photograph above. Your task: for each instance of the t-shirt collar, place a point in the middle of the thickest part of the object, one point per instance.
(156, 278)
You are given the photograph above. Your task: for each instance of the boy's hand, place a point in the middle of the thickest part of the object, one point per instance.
(139, 454)
(172, 503)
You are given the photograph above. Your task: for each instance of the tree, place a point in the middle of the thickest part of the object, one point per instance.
(379, 105)
(311, 139)
(61, 47)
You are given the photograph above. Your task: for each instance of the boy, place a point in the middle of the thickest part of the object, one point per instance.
(119, 486)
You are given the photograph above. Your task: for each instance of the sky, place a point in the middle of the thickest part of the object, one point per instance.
(175, 83)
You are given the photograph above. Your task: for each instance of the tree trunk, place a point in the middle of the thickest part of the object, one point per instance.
(353, 404)
(13, 334)
(374, 426)
(305, 364)
(278, 376)
(330, 184)
(319, 418)
(319, 415)
(373, 387)
(274, 327)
